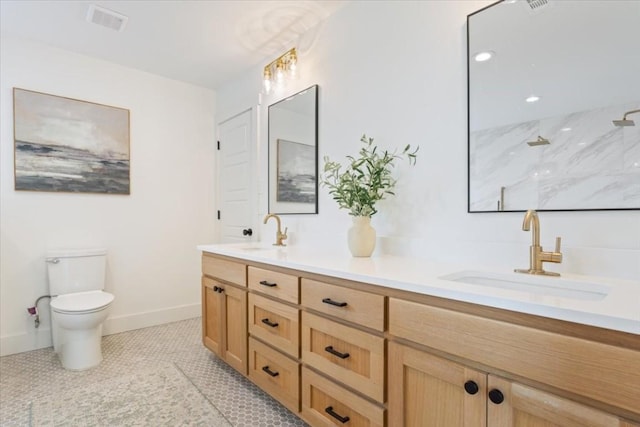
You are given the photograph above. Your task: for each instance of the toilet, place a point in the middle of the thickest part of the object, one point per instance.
(79, 305)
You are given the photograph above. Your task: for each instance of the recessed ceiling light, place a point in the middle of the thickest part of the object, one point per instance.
(483, 56)
(533, 98)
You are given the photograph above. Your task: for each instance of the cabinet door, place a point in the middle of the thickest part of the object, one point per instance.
(212, 316)
(512, 404)
(235, 327)
(428, 391)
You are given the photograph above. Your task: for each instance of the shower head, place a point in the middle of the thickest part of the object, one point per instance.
(625, 121)
(539, 141)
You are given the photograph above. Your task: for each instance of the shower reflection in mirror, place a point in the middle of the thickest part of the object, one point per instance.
(556, 129)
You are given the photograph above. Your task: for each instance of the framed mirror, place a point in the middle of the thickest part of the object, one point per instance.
(293, 154)
(554, 107)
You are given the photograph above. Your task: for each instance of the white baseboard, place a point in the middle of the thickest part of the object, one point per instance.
(12, 344)
(114, 325)
(41, 337)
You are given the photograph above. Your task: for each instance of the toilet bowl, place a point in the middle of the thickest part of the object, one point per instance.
(78, 322)
(79, 305)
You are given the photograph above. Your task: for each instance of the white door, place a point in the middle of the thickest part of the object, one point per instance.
(234, 178)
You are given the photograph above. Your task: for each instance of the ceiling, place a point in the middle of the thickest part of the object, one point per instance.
(205, 42)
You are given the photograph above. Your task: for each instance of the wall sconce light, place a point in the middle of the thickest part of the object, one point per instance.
(282, 68)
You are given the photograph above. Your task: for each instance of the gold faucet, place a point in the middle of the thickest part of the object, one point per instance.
(280, 236)
(536, 255)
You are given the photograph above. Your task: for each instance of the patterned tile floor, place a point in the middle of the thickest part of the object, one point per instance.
(27, 377)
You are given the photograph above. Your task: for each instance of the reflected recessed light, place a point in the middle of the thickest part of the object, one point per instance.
(533, 98)
(565, 129)
(483, 56)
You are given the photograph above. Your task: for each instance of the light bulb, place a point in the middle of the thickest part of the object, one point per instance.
(267, 81)
(279, 73)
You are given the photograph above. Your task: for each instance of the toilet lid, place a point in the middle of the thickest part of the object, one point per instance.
(81, 301)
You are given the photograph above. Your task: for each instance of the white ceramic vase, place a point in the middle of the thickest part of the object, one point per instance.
(361, 237)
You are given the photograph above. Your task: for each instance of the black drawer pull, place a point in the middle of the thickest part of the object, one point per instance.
(267, 322)
(330, 349)
(332, 302)
(270, 372)
(329, 410)
(269, 284)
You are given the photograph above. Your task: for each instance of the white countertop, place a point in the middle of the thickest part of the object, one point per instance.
(615, 303)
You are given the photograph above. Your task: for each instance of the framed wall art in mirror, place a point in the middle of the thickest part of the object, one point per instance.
(553, 92)
(293, 154)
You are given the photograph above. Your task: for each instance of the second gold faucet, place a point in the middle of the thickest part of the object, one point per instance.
(536, 255)
(280, 236)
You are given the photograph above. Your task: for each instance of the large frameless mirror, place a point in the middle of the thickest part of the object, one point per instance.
(293, 154)
(554, 106)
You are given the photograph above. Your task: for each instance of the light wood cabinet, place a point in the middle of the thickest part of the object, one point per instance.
(429, 391)
(602, 372)
(359, 307)
(283, 286)
(324, 403)
(338, 352)
(426, 390)
(224, 322)
(275, 373)
(513, 404)
(354, 357)
(275, 323)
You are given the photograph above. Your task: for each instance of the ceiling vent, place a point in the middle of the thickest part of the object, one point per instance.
(106, 18)
(537, 4)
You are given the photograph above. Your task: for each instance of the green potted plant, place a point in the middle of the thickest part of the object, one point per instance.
(364, 181)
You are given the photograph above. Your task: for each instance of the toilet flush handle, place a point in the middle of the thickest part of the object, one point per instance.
(53, 260)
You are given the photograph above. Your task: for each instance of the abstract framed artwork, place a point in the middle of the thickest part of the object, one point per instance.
(296, 172)
(68, 145)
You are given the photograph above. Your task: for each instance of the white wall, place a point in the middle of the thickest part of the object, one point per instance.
(153, 265)
(397, 71)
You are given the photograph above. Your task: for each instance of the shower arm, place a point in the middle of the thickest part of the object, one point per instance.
(629, 112)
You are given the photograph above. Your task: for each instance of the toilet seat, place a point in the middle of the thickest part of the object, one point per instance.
(81, 302)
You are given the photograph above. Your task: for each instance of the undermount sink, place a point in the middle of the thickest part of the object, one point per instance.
(541, 285)
(257, 248)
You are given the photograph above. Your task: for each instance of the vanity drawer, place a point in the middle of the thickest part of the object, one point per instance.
(233, 272)
(275, 373)
(599, 371)
(275, 323)
(279, 285)
(325, 403)
(354, 357)
(356, 306)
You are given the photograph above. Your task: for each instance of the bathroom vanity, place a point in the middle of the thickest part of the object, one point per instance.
(394, 341)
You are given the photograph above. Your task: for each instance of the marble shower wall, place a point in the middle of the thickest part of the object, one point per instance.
(589, 163)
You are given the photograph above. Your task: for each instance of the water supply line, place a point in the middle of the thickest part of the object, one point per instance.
(33, 311)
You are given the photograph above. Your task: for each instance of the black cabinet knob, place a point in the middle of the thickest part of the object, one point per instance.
(215, 289)
(471, 387)
(496, 396)
(247, 232)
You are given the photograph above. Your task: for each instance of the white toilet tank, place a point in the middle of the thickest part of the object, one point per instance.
(76, 270)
